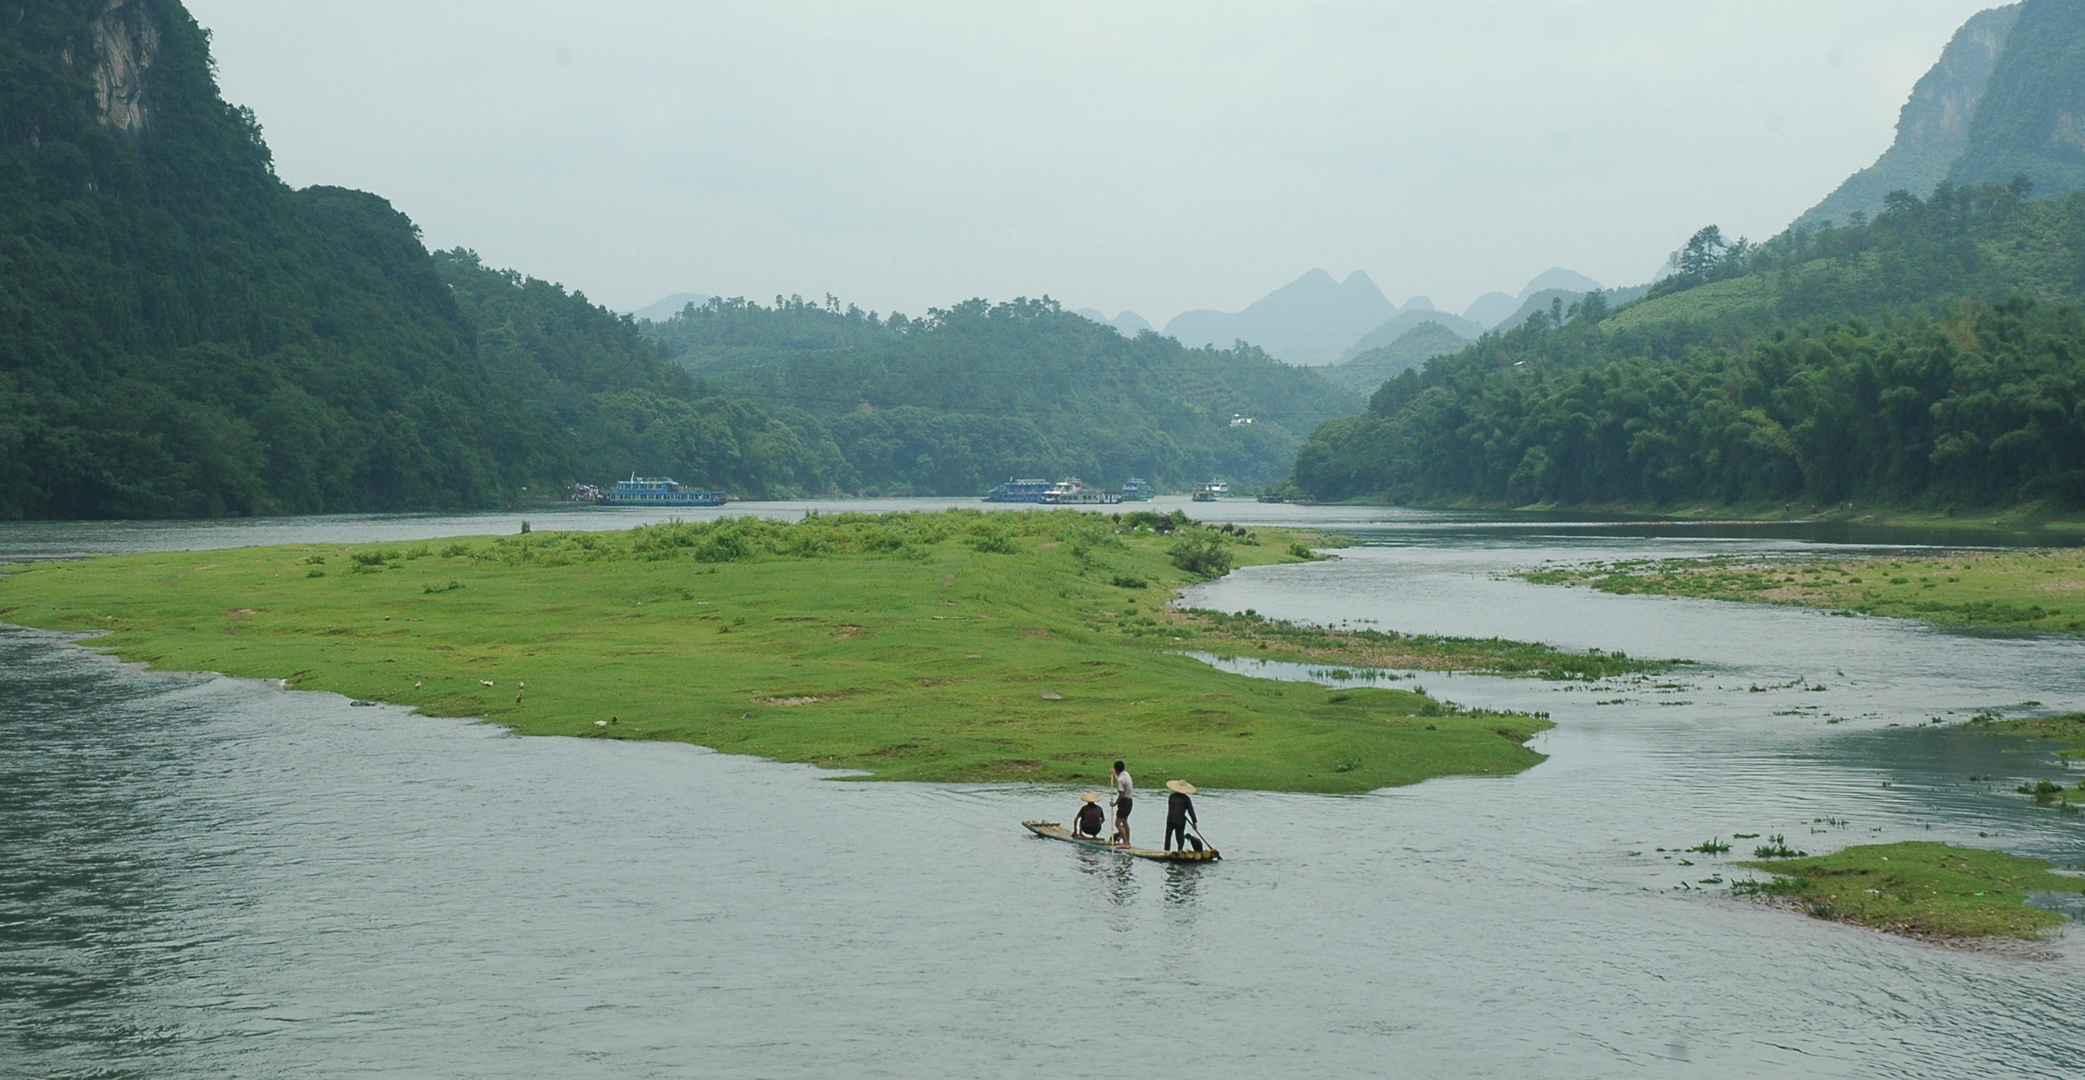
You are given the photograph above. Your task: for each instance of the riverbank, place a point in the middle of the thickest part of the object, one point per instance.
(1919, 889)
(953, 646)
(2034, 590)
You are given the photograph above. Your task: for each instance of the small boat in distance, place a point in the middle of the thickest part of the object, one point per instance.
(1074, 492)
(1019, 491)
(659, 491)
(1210, 492)
(1136, 489)
(1050, 830)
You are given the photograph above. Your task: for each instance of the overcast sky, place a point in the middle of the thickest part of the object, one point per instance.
(1150, 156)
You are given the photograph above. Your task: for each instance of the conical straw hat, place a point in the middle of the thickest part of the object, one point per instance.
(1181, 786)
(1091, 796)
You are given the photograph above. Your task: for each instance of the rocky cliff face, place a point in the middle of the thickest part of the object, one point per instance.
(1934, 127)
(2032, 117)
(126, 39)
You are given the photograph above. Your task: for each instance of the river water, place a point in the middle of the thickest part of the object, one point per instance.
(206, 877)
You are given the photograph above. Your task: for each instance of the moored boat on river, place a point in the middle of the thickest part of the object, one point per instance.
(1019, 491)
(1136, 489)
(1051, 830)
(1074, 492)
(659, 491)
(1210, 492)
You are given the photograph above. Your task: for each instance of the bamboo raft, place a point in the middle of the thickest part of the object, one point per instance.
(1051, 830)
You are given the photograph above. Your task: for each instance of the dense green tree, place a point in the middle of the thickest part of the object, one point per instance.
(1932, 356)
(965, 397)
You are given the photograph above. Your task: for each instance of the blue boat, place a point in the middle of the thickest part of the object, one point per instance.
(1136, 490)
(1030, 491)
(658, 491)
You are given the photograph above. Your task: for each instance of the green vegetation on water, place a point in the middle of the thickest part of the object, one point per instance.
(956, 646)
(2041, 590)
(1919, 889)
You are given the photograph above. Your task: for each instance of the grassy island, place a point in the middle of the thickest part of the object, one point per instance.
(956, 646)
(2036, 590)
(1920, 889)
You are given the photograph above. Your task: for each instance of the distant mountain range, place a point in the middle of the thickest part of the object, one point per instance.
(1311, 320)
(1317, 321)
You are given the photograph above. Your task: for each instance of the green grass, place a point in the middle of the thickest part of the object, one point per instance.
(1920, 889)
(2037, 589)
(959, 646)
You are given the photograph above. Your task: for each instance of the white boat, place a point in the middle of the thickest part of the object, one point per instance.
(1075, 493)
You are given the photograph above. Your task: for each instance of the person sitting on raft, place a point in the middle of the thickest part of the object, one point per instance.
(1090, 817)
(1179, 811)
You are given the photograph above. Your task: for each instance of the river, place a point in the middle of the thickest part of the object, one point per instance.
(207, 877)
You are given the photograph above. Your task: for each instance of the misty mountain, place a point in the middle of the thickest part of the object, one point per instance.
(1311, 320)
(667, 307)
(1933, 127)
(1411, 349)
(1129, 322)
(1404, 322)
(1498, 309)
(1488, 310)
(1541, 302)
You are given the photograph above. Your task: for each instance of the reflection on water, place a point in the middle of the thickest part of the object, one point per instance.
(201, 877)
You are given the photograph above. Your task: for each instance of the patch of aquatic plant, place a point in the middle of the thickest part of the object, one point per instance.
(1776, 847)
(2025, 590)
(1248, 633)
(1919, 889)
(1711, 847)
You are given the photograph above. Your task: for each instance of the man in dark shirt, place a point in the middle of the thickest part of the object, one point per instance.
(1179, 811)
(1091, 817)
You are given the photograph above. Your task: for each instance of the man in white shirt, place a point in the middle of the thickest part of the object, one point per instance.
(1125, 796)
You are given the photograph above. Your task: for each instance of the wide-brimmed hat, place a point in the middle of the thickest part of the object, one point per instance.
(1091, 796)
(1181, 786)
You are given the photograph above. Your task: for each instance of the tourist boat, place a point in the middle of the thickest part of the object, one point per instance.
(1136, 490)
(1211, 492)
(1076, 493)
(1017, 491)
(659, 491)
(1050, 830)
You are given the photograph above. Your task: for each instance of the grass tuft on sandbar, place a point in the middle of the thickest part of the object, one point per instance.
(1919, 889)
(953, 646)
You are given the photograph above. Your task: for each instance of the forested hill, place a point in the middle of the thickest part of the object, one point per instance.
(182, 334)
(1933, 357)
(186, 335)
(968, 396)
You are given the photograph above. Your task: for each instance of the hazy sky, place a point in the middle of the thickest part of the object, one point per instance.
(1151, 156)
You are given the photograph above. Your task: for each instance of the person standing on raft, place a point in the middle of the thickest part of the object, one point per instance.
(1125, 798)
(1179, 811)
(1090, 817)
